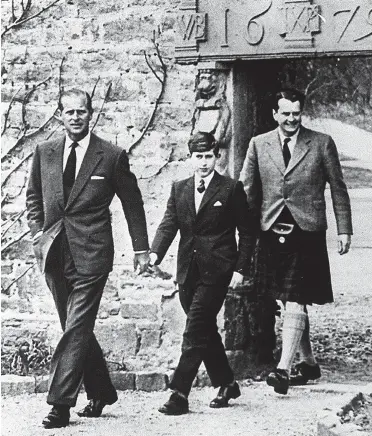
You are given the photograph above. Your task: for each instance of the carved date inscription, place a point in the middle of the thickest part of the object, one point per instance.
(351, 16)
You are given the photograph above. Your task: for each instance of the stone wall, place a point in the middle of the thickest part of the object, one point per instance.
(92, 44)
(101, 47)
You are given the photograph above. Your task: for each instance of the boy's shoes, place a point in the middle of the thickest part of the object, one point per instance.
(176, 405)
(224, 395)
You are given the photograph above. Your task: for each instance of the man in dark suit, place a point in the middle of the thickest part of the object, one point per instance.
(72, 182)
(284, 174)
(207, 209)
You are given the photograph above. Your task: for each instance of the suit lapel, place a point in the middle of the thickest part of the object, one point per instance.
(210, 191)
(55, 154)
(274, 150)
(190, 196)
(300, 150)
(91, 159)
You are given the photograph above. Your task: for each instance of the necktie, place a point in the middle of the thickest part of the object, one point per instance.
(201, 186)
(69, 172)
(286, 152)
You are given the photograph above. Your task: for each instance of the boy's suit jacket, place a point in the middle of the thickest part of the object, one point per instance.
(209, 235)
(270, 186)
(86, 216)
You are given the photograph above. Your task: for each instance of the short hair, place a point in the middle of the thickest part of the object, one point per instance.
(75, 92)
(289, 94)
(203, 141)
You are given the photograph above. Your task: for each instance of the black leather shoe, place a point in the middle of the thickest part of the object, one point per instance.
(176, 405)
(279, 380)
(304, 372)
(93, 409)
(58, 417)
(224, 395)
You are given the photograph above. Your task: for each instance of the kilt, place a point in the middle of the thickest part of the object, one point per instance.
(295, 270)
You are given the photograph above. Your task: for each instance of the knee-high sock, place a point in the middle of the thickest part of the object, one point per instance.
(293, 328)
(306, 352)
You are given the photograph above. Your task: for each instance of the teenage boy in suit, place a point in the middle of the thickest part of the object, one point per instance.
(206, 209)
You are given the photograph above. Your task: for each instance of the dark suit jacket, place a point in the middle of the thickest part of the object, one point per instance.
(86, 217)
(209, 235)
(270, 186)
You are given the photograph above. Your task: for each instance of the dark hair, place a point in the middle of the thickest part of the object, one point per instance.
(289, 94)
(76, 93)
(203, 141)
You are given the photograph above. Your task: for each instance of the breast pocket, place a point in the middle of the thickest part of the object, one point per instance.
(97, 189)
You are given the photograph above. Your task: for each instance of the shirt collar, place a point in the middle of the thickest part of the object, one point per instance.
(293, 138)
(207, 179)
(83, 143)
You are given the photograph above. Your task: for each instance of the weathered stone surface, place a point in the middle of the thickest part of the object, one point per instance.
(118, 338)
(17, 385)
(41, 384)
(123, 381)
(150, 339)
(139, 310)
(151, 381)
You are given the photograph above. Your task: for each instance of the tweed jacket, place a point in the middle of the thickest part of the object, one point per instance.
(270, 186)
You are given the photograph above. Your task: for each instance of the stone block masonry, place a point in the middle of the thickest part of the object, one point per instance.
(90, 44)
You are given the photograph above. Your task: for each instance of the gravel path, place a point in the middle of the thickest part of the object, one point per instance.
(258, 412)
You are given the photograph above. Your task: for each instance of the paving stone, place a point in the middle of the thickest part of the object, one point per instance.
(16, 385)
(123, 381)
(41, 384)
(151, 381)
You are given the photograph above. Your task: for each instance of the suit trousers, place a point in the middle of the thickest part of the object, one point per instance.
(201, 341)
(78, 356)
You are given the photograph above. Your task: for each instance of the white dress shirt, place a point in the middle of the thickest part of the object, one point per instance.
(292, 140)
(199, 195)
(81, 149)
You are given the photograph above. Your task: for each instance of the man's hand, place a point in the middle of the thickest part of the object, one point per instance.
(141, 261)
(344, 242)
(236, 280)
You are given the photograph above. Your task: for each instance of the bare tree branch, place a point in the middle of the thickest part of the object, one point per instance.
(21, 20)
(60, 78)
(94, 87)
(12, 222)
(159, 97)
(15, 168)
(310, 83)
(4, 200)
(44, 125)
(6, 115)
(5, 290)
(14, 241)
(159, 169)
(103, 103)
(151, 67)
(27, 99)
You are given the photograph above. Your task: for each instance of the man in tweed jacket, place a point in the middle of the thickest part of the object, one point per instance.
(284, 175)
